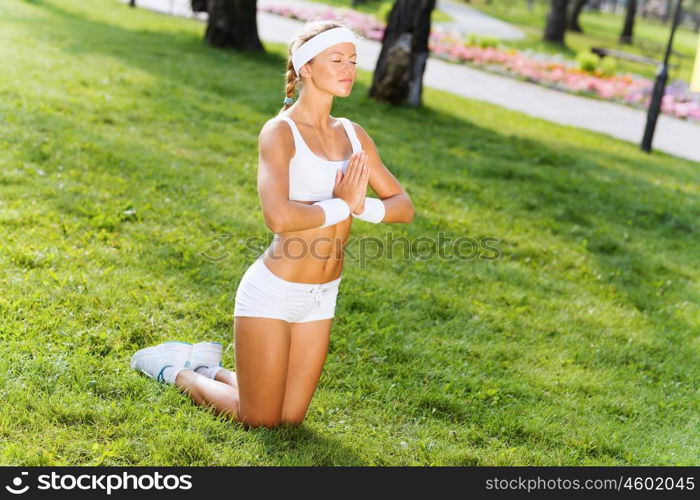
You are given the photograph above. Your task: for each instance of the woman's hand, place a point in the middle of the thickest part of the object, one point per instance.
(352, 186)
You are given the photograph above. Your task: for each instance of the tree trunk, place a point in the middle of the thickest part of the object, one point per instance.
(556, 22)
(132, 3)
(232, 23)
(575, 13)
(398, 77)
(199, 5)
(628, 28)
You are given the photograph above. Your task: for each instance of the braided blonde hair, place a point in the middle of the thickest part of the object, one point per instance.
(311, 29)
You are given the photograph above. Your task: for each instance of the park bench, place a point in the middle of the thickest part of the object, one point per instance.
(618, 54)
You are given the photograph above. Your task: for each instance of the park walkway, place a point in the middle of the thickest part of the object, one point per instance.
(468, 20)
(673, 136)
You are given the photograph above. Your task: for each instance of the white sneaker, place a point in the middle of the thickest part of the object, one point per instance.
(153, 360)
(206, 354)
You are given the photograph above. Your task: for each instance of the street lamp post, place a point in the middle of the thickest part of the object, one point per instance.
(659, 87)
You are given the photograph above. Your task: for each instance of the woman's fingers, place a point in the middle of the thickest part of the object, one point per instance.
(359, 167)
(364, 173)
(355, 167)
(338, 178)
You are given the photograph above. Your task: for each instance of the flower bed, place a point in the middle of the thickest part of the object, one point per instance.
(542, 69)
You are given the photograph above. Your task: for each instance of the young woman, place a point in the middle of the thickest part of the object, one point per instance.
(312, 180)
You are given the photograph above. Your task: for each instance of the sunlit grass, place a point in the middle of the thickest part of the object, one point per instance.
(128, 147)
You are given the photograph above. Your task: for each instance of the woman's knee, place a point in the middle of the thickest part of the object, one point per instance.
(269, 423)
(230, 403)
(263, 417)
(293, 418)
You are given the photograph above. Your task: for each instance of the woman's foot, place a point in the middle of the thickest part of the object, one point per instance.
(205, 354)
(163, 361)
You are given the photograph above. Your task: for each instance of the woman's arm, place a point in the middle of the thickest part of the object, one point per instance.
(397, 203)
(276, 147)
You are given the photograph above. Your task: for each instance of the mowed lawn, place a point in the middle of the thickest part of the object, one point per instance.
(129, 212)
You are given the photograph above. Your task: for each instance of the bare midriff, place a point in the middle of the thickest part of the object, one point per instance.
(311, 255)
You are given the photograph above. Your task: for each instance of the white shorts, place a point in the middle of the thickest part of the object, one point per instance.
(263, 294)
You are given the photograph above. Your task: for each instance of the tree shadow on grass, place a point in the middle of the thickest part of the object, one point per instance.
(163, 54)
(304, 446)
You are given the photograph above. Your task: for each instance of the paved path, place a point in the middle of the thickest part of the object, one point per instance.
(468, 20)
(674, 136)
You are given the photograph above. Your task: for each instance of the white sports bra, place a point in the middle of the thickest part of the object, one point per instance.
(312, 178)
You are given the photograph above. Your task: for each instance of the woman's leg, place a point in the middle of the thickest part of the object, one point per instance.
(307, 354)
(206, 392)
(262, 353)
(227, 377)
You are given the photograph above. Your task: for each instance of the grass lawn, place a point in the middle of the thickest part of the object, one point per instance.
(378, 7)
(600, 29)
(128, 147)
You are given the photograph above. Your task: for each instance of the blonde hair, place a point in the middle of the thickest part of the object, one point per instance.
(310, 30)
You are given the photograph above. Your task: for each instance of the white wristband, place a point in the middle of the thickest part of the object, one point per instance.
(374, 211)
(336, 209)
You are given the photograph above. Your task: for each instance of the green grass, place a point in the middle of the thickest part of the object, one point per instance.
(600, 29)
(127, 147)
(375, 7)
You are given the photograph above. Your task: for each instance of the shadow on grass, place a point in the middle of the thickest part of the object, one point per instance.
(302, 445)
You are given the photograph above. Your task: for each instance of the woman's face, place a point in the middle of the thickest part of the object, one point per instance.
(333, 69)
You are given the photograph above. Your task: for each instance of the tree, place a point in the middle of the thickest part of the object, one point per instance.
(199, 5)
(132, 3)
(398, 77)
(556, 22)
(575, 13)
(232, 23)
(628, 28)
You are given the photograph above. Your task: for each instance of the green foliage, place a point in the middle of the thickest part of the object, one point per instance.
(384, 10)
(587, 61)
(608, 66)
(590, 62)
(487, 41)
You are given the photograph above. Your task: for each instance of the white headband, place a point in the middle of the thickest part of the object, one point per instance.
(319, 43)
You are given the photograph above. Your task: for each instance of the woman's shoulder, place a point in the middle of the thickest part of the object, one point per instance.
(277, 127)
(275, 132)
(275, 124)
